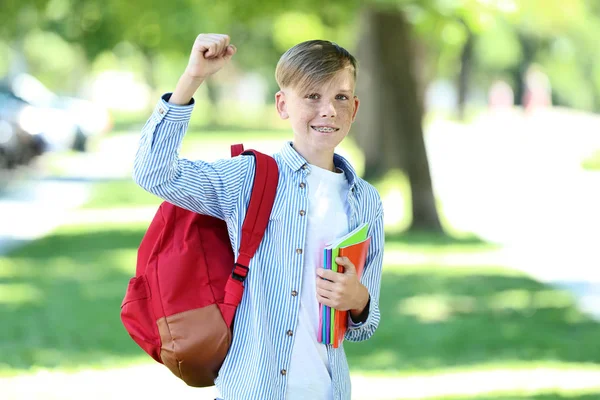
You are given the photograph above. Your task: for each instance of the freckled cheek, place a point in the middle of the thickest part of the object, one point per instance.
(344, 111)
(308, 113)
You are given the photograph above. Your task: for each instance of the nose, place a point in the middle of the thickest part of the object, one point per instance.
(328, 110)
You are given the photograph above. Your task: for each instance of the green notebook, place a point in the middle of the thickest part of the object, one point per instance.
(357, 235)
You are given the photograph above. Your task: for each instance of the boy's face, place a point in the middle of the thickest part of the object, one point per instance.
(320, 117)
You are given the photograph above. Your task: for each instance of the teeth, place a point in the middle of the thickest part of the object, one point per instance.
(324, 129)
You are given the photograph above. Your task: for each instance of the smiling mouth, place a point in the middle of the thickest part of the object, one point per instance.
(323, 129)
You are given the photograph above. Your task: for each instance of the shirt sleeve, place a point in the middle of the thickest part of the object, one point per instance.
(371, 278)
(211, 188)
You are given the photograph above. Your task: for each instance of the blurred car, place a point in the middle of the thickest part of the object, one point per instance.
(17, 144)
(17, 147)
(9, 145)
(53, 126)
(88, 118)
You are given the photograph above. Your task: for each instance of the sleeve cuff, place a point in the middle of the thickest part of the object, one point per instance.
(172, 112)
(362, 318)
(352, 324)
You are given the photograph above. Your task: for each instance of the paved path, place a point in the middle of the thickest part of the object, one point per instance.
(519, 182)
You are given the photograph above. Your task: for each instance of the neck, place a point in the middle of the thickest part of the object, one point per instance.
(321, 159)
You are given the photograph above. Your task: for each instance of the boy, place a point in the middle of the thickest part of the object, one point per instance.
(275, 353)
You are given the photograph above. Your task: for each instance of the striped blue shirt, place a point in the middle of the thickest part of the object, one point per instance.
(260, 353)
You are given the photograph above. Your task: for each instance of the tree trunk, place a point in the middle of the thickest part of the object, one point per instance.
(466, 59)
(528, 48)
(389, 127)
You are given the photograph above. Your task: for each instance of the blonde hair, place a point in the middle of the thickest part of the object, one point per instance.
(312, 63)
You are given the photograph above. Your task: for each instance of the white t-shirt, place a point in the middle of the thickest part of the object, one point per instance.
(309, 373)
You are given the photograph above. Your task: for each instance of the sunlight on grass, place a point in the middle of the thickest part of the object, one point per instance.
(438, 307)
(81, 269)
(522, 299)
(19, 293)
(435, 308)
(439, 316)
(444, 270)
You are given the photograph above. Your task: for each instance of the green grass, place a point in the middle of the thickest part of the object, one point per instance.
(435, 318)
(120, 193)
(60, 299)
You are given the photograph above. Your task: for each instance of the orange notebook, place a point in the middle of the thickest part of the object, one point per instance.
(357, 253)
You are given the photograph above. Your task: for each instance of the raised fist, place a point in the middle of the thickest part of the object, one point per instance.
(209, 54)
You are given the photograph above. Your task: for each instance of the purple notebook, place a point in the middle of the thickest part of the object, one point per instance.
(328, 324)
(321, 314)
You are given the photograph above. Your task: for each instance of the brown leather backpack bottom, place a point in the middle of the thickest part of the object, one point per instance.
(192, 341)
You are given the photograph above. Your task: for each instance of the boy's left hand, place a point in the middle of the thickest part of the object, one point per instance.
(342, 291)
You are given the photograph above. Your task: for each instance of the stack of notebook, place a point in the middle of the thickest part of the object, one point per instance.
(355, 246)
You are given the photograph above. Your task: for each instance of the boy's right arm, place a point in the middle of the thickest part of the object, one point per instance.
(208, 188)
(209, 54)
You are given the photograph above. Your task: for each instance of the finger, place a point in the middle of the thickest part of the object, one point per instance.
(331, 300)
(325, 293)
(324, 301)
(211, 49)
(334, 294)
(230, 51)
(347, 264)
(328, 274)
(210, 44)
(214, 37)
(203, 41)
(222, 43)
(325, 284)
(219, 48)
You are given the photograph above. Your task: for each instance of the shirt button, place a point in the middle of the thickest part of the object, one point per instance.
(298, 251)
(283, 372)
(290, 333)
(304, 166)
(294, 293)
(161, 110)
(302, 212)
(302, 185)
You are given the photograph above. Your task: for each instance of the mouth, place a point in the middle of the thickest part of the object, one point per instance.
(324, 129)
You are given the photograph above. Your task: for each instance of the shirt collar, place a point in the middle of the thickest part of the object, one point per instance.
(295, 161)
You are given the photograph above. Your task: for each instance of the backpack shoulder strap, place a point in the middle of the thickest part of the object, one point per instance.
(237, 149)
(262, 198)
(261, 202)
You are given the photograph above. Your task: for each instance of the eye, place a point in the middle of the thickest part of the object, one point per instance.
(313, 96)
(341, 97)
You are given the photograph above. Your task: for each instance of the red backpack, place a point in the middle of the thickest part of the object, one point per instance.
(180, 305)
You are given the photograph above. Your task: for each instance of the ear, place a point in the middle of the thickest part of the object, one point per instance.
(356, 104)
(281, 105)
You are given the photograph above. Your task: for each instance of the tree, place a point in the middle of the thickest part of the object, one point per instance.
(390, 126)
(399, 50)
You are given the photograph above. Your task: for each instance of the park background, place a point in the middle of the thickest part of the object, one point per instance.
(478, 125)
